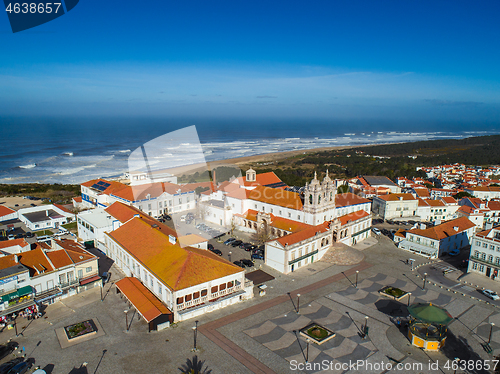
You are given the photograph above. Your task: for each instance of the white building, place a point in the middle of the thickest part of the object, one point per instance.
(189, 281)
(485, 253)
(45, 217)
(6, 214)
(301, 248)
(439, 240)
(14, 246)
(154, 199)
(400, 205)
(484, 193)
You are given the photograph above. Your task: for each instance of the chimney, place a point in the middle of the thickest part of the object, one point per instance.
(47, 213)
(422, 226)
(455, 228)
(16, 259)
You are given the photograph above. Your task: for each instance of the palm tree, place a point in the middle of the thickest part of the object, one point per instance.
(194, 366)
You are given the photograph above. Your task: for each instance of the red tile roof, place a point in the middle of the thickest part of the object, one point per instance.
(303, 234)
(449, 200)
(352, 217)
(397, 196)
(261, 179)
(445, 229)
(124, 213)
(347, 199)
(276, 196)
(77, 199)
(277, 222)
(5, 211)
(144, 301)
(176, 267)
(11, 243)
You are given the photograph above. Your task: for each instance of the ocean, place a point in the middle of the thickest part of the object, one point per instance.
(70, 150)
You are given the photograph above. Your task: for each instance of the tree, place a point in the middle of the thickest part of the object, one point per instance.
(343, 189)
(462, 194)
(263, 233)
(198, 190)
(202, 210)
(194, 366)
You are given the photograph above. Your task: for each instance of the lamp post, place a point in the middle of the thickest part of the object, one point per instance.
(195, 333)
(365, 330)
(425, 278)
(298, 303)
(491, 331)
(230, 256)
(357, 272)
(126, 318)
(101, 291)
(409, 297)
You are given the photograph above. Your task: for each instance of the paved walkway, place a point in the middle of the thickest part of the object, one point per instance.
(210, 329)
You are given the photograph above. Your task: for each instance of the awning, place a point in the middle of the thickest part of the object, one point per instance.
(89, 280)
(23, 291)
(143, 300)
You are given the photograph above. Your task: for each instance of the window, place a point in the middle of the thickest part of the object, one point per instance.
(481, 268)
(490, 258)
(187, 199)
(159, 288)
(180, 201)
(159, 204)
(80, 273)
(485, 245)
(196, 295)
(497, 260)
(89, 269)
(483, 256)
(474, 265)
(255, 206)
(289, 215)
(204, 293)
(476, 253)
(149, 206)
(298, 216)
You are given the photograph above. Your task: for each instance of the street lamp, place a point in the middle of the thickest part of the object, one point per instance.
(230, 256)
(195, 332)
(126, 317)
(409, 297)
(425, 277)
(491, 331)
(357, 272)
(298, 302)
(366, 326)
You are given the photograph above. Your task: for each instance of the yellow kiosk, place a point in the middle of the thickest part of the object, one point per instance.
(427, 326)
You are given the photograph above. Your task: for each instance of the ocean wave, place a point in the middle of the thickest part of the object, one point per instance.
(29, 166)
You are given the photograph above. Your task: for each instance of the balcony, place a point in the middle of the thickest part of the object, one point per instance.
(204, 299)
(72, 282)
(485, 261)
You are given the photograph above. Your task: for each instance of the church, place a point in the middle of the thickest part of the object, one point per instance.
(301, 226)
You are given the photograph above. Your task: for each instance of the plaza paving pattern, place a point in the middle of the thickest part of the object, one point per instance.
(344, 312)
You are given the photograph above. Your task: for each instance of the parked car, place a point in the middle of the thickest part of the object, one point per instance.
(216, 251)
(20, 368)
(454, 252)
(6, 349)
(376, 231)
(229, 241)
(167, 217)
(33, 204)
(4, 368)
(239, 263)
(183, 218)
(11, 236)
(236, 243)
(2, 238)
(190, 215)
(257, 256)
(19, 236)
(210, 247)
(490, 294)
(247, 262)
(385, 232)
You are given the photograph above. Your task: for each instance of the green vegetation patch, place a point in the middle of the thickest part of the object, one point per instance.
(70, 226)
(44, 233)
(80, 329)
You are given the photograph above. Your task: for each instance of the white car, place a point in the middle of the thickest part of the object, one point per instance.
(491, 294)
(376, 231)
(183, 218)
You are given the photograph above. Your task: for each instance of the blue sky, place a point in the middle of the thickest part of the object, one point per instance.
(427, 60)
